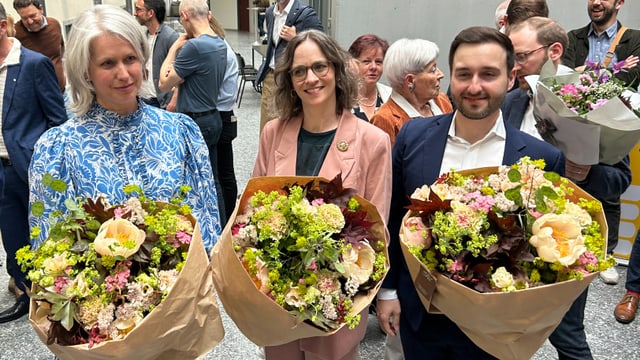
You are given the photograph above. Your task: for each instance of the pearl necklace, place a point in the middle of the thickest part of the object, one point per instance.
(373, 103)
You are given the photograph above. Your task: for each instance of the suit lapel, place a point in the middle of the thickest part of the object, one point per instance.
(286, 152)
(434, 143)
(341, 157)
(13, 71)
(514, 145)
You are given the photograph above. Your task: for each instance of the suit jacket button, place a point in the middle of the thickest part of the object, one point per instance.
(342, 145)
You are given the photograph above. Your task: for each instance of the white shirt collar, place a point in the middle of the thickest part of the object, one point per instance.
(286, 10)
(13, 57)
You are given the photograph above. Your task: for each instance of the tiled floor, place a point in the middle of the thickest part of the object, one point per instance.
(607, 338)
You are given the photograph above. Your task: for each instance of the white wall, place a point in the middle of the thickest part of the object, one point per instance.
(226, 12)
(439, 21)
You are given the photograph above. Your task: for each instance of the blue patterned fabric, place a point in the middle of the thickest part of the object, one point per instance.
(101, 152)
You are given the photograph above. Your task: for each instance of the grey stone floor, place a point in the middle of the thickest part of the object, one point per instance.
(608, 339)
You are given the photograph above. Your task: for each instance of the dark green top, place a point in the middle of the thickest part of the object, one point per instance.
(312, 149)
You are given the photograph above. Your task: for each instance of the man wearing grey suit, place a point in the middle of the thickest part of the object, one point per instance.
(285, 19)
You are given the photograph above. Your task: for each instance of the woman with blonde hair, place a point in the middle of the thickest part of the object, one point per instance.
(115, 139)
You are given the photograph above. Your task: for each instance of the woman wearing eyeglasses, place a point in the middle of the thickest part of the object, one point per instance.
(317, 135)
(411, 69)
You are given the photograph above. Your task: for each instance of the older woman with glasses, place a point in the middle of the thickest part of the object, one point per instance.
(317, 135)
(411, 69)
(368, 53)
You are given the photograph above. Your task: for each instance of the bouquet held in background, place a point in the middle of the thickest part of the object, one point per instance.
(487, 246)
(591, 116)
(300, 257)
(108, 276)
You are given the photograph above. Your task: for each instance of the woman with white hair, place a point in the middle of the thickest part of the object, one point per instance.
(411, 69)
(115, 139)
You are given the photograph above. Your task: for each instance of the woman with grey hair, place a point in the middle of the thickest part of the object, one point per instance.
(114, 139)
(317, 135)
(411, 69)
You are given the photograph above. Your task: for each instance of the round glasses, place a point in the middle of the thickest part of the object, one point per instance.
(522, 57)
(299, 73)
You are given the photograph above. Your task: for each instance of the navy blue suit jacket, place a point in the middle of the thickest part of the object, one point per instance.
(32, 103)
(514, 107)
(417, 157)
(302, 17)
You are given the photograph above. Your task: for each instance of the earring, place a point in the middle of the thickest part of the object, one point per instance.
(411, 87)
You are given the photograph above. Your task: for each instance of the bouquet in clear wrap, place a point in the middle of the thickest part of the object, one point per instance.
(503, 252)
(130, 280)
(300, 257)
(591, 116)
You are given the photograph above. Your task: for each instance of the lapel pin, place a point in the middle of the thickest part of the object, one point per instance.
(342, 145)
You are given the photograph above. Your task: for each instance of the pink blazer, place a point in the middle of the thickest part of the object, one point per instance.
(365, 164)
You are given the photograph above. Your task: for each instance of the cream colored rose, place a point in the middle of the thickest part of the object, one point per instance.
(502, 278)
(558, 238)
(118, 237)
(421, 193)
(55, 265)
(125, 326)
(294, 297)
(416, 234)
(358, 262)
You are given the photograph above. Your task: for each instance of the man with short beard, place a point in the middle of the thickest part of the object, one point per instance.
(151, 14)
(592, 42)
(476, 135)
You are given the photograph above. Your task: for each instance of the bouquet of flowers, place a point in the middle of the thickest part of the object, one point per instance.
(591, 116)
(112, 279)
(301, 257)
(495, 243)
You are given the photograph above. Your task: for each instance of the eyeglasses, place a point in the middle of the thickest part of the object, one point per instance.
(523, 57)
(320, 68)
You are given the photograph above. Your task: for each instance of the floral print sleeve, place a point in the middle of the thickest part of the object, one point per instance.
(101, 152)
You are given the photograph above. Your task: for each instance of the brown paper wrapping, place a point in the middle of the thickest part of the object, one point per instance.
(507, 325)
(258, 317)
(185, 325)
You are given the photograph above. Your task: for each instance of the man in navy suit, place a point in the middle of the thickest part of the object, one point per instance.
(481, 61)
(31, 104)
(285, 19)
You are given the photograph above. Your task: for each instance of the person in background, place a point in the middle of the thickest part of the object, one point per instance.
(262, 6)
(592, 43)
(537, 40)
(625, 311)
(41, 33)
(226, 102)
(151, 14)
(475, 135)
(520, 10)
(196, 64)
(411, 68)
(368, 52)
(501, 11)
(285, 18)
(114, 138)
(317, 135)
(31, 104)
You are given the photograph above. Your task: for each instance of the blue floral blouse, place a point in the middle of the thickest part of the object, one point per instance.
(101, 152)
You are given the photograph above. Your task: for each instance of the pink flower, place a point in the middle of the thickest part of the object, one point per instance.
(480, 202)
(317, 202)
(60, 282)
(313, 266)
(417, 233)
(183, 237)
(118, 280)
(235, 229)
